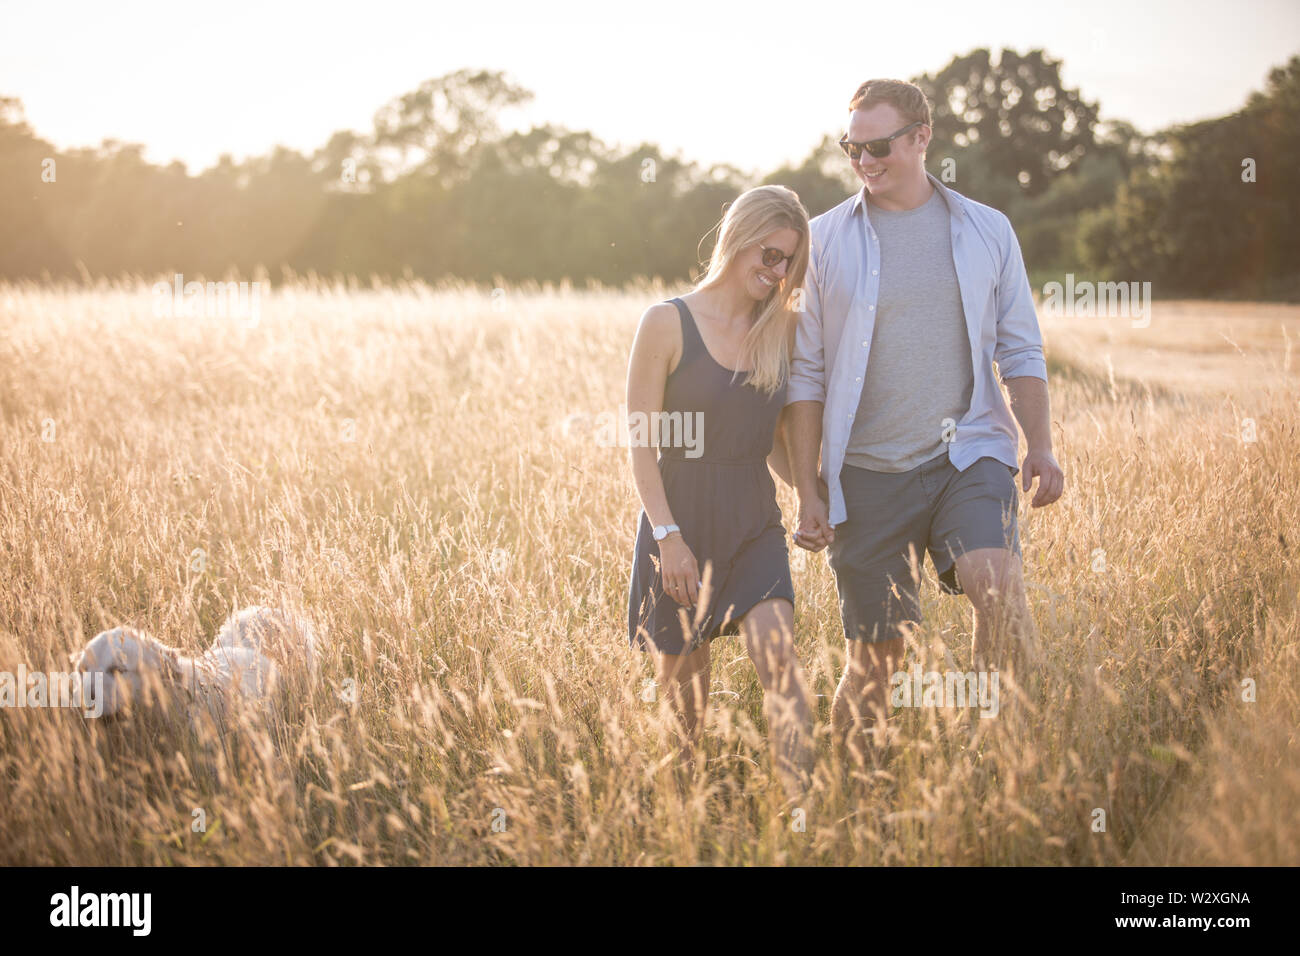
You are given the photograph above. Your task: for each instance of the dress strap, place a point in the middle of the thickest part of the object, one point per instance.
(692, 341)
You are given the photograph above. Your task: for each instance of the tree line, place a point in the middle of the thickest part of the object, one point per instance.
(436, 189)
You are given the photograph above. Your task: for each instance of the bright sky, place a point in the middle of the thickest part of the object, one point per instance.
(752, 82)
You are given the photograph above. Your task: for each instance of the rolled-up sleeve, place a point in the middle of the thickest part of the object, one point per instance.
(1019, 348)
(808, 359)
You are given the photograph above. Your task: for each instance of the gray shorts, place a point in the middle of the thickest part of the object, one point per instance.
(934, 507)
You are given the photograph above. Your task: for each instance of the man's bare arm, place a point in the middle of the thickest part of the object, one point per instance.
(803, 433)
(1031, 405)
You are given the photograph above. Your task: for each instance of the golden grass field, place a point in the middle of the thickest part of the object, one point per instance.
(469, 555)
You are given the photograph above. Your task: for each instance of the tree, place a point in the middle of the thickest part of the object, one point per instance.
(434, 128)
(823, 180)
(29, 243)
(1011, 125)
(1218, 213)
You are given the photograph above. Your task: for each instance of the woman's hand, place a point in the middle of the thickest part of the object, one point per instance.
(679, 570)
(815, 530)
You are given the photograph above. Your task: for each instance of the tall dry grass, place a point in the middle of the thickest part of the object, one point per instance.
(469, 554)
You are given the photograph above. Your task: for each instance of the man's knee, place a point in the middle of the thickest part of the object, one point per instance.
(993, 580)
(866, 661)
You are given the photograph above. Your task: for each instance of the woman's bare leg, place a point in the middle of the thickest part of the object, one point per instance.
(768, 630)
(685, 679)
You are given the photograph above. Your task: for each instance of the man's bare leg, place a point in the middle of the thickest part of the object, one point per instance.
(862, 698)
(1004, 632)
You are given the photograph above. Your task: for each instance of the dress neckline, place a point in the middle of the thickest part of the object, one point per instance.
(705, 345)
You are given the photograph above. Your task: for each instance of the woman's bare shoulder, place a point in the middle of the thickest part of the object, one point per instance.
(661, 324)
(660, 316)
(660, 333)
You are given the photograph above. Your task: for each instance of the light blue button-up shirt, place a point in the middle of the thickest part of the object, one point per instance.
(833, 338)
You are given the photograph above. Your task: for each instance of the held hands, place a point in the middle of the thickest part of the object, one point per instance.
(679, 570)
(814, 531)
(1051, 480)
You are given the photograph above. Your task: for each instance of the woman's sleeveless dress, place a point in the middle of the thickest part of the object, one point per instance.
(724, 501)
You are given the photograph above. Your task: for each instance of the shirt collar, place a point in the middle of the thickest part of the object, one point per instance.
(954, 207)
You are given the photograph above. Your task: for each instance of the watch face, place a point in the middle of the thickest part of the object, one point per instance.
(660, 534)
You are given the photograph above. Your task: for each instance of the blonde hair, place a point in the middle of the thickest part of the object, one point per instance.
(757, 213)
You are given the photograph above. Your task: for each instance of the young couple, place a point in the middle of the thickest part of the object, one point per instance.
(854, 355)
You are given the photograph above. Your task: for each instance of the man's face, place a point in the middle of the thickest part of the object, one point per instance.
(887, 175)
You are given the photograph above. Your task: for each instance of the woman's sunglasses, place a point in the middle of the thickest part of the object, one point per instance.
(878, 148)
(772, 255)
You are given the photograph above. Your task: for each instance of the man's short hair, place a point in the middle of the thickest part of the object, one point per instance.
(905, 97)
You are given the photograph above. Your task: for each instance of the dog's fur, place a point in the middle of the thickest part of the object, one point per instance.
(256, 650)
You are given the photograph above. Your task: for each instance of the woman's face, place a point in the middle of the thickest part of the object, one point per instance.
(761, 280)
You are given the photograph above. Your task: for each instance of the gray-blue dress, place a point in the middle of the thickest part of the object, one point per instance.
(724, 501)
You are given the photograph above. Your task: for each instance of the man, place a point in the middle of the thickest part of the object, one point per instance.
(913, 291)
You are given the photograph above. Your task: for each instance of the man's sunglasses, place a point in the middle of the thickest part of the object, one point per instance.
(878, 148)
(772, 255)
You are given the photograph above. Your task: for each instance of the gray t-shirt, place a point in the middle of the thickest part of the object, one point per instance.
(919, 368)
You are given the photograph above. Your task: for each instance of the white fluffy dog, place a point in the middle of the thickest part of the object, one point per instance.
(256, 649)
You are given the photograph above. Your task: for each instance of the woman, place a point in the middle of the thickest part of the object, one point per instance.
(711, 555)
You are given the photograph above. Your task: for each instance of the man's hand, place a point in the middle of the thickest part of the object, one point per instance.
(1051, 480)
(814, 531)
(1032, 407)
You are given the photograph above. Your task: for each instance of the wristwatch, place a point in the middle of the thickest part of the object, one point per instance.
(664, 530)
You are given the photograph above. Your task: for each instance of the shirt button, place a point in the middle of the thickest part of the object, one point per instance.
(875, 272)
(871, 308)
(864, 344)
(858, 379)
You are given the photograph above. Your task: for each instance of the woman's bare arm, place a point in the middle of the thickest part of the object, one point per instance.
(653, 353)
